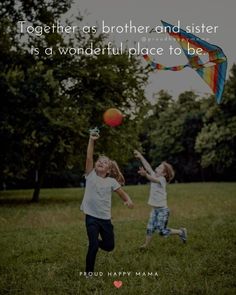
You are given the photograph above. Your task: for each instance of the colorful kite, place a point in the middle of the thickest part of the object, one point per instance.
(213, 71)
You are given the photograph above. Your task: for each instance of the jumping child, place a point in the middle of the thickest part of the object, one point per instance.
(159, 214)
(101, 180)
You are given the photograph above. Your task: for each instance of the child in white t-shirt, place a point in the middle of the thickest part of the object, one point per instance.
(101, 180)
(159, 214)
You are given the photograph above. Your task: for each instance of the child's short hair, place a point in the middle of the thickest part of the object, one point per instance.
(169, 171)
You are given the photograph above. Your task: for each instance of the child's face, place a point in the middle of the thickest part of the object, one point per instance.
(102, 165)
(160, 170)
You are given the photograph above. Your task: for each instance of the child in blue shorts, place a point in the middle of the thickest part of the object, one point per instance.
(159, 214)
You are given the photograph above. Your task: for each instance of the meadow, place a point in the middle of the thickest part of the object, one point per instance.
(43, 246)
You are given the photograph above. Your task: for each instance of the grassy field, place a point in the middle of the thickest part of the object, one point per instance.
(43, 246)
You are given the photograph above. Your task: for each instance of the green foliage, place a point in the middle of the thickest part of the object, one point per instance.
(194, 134)
(217, 140)
(174, 130)
(50, 102)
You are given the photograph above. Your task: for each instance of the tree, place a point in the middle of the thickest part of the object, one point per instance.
(173, 135)
(50, 102)
(217, 140)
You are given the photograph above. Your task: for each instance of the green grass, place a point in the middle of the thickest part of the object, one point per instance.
(43, 246)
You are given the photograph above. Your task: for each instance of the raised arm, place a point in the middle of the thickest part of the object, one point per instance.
(90, 149)
(125, 197)
(145, 163)
(144, 173)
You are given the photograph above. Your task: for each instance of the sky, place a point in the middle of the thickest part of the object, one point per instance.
(217, 13)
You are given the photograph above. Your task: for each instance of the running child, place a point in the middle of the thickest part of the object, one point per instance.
(102, 178)
(159, 214)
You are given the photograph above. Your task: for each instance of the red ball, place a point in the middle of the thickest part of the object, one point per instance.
(113, 117)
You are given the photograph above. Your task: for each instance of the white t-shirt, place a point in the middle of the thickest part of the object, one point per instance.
(97, 196)
(158, 195)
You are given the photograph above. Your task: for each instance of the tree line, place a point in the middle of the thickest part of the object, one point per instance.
(195, 134)
(48, 104)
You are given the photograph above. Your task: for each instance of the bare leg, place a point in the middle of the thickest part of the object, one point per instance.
(147, 241)
(182, 233)
(175, 231)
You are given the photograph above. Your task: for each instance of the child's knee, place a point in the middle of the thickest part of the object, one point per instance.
(164, 232)
(107, 245)
(110, 246)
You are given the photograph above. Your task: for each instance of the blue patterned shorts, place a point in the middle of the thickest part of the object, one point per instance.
(158, 221)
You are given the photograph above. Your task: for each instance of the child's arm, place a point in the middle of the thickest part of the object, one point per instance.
(144, 173)
(90, 149)
(145, 163)
(125, 197)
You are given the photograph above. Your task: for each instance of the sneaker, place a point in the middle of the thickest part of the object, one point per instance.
(183, 235)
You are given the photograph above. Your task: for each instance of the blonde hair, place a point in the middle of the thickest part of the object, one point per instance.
(116, 173)
(169, 171)
(114, 170)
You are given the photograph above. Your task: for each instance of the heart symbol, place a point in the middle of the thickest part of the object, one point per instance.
(117, 284)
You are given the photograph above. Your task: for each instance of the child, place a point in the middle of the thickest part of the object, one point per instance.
(158, 200)
(101, 180)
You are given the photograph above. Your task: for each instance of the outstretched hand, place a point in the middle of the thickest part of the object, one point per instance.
(142, 171)
(94, 136)
(129, 204)
(94, 133)
(137, 154)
